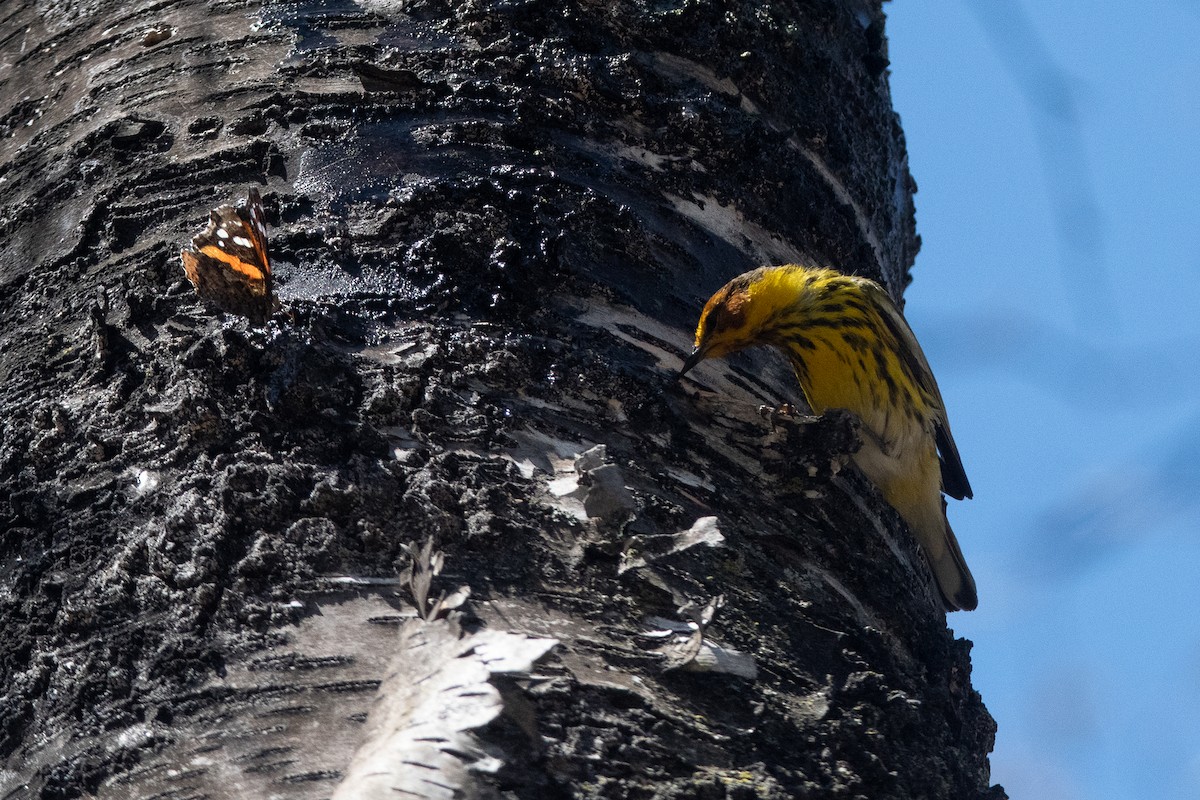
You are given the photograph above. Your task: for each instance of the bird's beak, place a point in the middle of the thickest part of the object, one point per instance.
(695, 358)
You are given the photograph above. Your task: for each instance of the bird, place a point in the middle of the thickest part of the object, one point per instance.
(852, 349)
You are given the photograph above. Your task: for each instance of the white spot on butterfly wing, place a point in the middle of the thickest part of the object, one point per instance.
(222, 233)
(242, 241)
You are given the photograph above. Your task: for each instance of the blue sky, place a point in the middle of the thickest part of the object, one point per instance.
(1057, 151)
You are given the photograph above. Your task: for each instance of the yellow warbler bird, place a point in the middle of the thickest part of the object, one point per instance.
(852, 349)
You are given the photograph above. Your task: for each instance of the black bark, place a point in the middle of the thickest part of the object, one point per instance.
(493, 227)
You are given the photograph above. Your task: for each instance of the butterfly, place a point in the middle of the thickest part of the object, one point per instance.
(227, 261)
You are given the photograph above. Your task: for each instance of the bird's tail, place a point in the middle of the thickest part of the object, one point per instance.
(953, 577)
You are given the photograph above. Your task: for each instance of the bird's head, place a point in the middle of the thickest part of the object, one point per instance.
(723, 326)
(747, 311)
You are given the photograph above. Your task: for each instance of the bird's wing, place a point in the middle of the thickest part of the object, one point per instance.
(954, 477)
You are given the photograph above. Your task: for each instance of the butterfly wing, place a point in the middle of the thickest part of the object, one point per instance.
(258, 229)
(227, 261)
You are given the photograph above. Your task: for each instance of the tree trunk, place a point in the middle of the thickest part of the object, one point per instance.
(492, 226)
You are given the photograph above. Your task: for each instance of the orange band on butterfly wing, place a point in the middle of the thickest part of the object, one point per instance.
(251, 271)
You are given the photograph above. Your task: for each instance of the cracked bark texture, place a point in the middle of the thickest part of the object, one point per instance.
(494, 225)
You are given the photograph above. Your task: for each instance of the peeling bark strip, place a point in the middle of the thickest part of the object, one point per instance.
(494, 223)
(418, 742)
